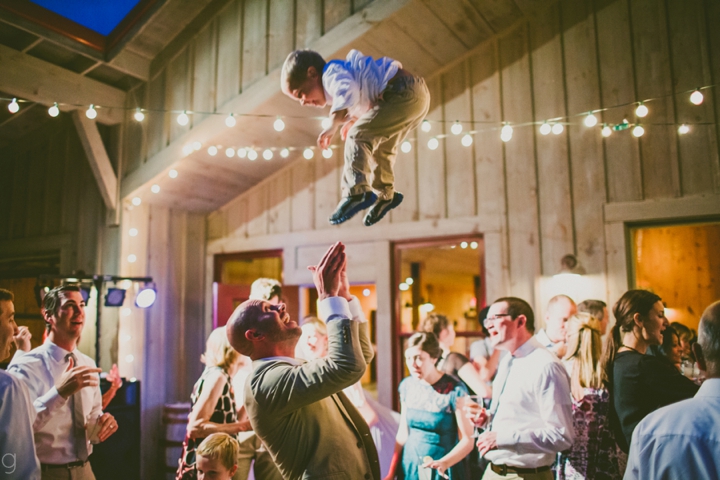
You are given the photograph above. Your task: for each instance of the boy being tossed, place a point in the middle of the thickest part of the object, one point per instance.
(377, 103)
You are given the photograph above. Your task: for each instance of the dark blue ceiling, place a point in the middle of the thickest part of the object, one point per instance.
(101, 16)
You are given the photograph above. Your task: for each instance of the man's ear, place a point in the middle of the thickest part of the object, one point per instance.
(253, 335)
(521, 321)
(699, 357)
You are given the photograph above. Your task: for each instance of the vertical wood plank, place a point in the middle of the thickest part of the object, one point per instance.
(254, 60)
(406, 183)
(178, 93)
(157, 120)
(712, 14)
(279, 194)
(555, 200)
(431, 165)
(653, 79)
(237, 217)
(194, 303)
(617, 261)
(204, 69)
(521, 170)
(459, 161)
(229, 44)
(34, 191)
(327, 189)
(134, 132)
(281, 37)
(302, 204)
(335, 12)
(257, 211)
(308, 23)
(624, 177)
(586, 154)
(360, 4)
(18, 204)
(54, 184)
(175, 290)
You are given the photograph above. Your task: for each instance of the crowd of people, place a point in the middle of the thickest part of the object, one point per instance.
(282, 399)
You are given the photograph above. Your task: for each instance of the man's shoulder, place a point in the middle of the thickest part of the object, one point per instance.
(680, 417)
(10, 385)
(33, 358)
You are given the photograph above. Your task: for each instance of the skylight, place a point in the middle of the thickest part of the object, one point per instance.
(101, 16)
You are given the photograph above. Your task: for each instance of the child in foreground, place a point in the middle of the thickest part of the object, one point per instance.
(217, 457)
(375, 104)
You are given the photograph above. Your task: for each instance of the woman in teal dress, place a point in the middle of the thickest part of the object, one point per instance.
(434, 433)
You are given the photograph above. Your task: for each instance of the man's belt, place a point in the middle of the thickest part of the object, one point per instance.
(504, 469)
(50, 466)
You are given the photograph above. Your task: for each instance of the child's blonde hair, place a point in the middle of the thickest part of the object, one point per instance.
(220, 446)
(218, 351)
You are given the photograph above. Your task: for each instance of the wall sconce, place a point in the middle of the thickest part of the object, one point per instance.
(569, 265)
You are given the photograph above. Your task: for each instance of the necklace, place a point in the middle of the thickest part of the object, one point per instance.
(622, 345)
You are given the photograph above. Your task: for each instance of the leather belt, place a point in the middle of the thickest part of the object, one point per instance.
(505, 469)
(49, 466)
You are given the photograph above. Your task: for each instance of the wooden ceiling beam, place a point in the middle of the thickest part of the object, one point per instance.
(98, 158)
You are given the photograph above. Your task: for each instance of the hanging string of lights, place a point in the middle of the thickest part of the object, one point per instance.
(555, 126)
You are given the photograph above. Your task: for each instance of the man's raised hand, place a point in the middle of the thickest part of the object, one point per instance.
(327, 275)
(75, 378)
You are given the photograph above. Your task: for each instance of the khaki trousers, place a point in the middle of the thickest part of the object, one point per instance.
(252, 448)
(75, 473)
(377, 134)
(490, 475)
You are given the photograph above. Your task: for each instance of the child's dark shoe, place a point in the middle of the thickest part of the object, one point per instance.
(351, 205)
(381, 207)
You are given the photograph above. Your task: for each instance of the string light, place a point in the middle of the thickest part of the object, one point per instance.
(197, 146)
(433, 143)
(696, 97)
(139, 116)
(506, 133)
(91, 113)
(606, 131)
(155, 188)
(54, 111)
(173, 173)
(456, 128)
(279, 125)
(13, 106)
(406, 146)
(591, 120)
(425, 126)
(267, 154)
(641, 111)
(545, 128)
(212, 150)
(327, 153)
(638, 131)
(230, 152)
(230, 121)
(242, 152)
(467, 140)
(327, 123)
(183, 119)
(308, 153)
(187, 150)
(683, 129)
(132, 258)
(557, 129)
(284, 153)
(133, 232)
(136, 201)
(252, 154)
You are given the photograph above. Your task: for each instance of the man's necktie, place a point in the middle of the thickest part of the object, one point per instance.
(78, 416)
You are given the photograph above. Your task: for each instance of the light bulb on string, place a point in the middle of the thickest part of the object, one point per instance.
(285, 152)
(591, 120)
(425, 126)
(638, 131)
(506, 133)
(308, 153)
(406, 146)
(139, 116)
(230, 121)
(606, 131)
(91, 113)
(242, 152)
(466, 140)
(155, 188)
(558, 128)
(187, 150)
(327, 123)
(327, 153)
(230, 152)
(641, 111)
(196, 146)
(133, 232)
(279, 125)
(456, 128)
(545, 128)
(183, 119)
(696, 97)
(13, 106)
(683, 129)
(136, 201)
(173, 173)
(252, 154)
(212, 150)
(267, 154)
(54, 111)
(433, 143)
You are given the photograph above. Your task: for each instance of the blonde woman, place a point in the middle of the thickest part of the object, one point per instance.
(213, 401)
(594, 454)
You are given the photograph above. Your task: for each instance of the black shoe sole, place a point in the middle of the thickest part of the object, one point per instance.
(353, 211)
(397, 200)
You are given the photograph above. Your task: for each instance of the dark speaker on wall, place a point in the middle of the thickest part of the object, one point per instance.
(118, 457)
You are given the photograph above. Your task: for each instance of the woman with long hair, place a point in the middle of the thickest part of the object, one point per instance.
(638, 383)
(593, 454)
(434, 432)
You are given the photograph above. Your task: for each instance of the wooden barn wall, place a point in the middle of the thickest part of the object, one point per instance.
(536, 198)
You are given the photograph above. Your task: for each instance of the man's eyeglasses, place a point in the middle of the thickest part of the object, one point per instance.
(489, 320)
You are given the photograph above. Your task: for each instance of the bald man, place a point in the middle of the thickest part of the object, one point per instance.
(298, 409)
(559, 310)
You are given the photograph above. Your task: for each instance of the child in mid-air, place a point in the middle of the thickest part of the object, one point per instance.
(375, 103)
(217, 457)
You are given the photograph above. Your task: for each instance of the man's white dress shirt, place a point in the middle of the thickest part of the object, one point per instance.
(17, 414)
(533, 419)
(40, 369)
(357, 82)
(681, 440)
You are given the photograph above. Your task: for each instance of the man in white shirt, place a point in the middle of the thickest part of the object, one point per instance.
(559, 310)
(17, 414)
(530, 417)
(64, 387)
(682, 440)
